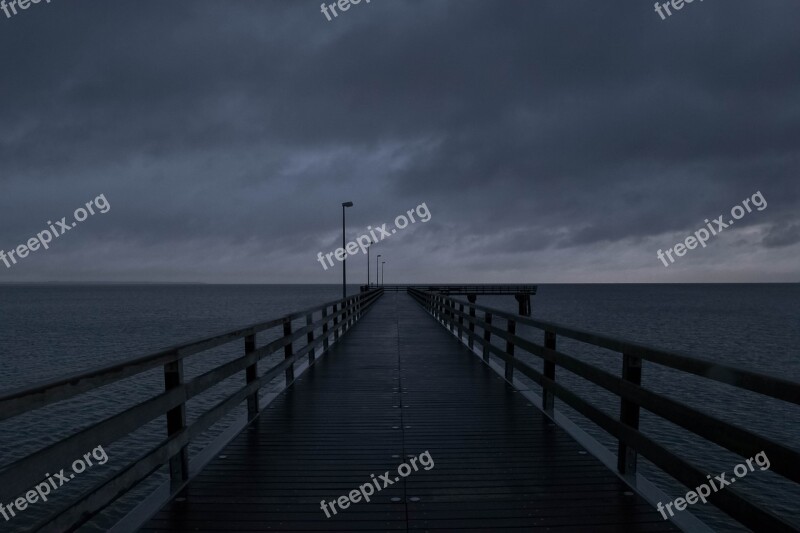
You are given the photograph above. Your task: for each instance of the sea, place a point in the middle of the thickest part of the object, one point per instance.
(49, 331)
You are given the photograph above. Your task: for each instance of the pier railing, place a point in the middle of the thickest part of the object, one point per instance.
(463, 320)
(324, 324)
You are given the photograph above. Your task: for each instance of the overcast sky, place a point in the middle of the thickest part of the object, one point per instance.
(552, 141)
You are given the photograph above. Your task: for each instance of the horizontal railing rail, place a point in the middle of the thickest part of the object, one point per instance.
(461, 318)
(321, 322)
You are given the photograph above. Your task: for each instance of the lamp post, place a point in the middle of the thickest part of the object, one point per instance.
(377, 278)
(344, 262)
(368, 247)
(382, 263)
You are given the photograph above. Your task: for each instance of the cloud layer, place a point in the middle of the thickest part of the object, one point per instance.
(552, 141)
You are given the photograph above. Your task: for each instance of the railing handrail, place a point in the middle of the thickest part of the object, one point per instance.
(21, 474)
(13, 401)
(632, 395)
(768, 385)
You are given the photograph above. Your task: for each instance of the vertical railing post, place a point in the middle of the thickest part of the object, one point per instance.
(460, 321)
(487, 336)
(310, 338)
(451, 315)
(548, 399)
(176, 422)
(351, 306)
(335, 322)
(629, 414)
(511, 328)
(288, 351)
(251, 375)
(325, 329)
(471, 326)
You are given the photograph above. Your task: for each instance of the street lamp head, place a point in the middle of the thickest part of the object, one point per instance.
(347, 204)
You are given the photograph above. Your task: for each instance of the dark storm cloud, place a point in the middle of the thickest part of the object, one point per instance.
(225, 135)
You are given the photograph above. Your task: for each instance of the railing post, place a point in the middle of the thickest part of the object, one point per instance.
(310, 339)
(176, 422)
(548, 400)
(460, 321)
(288, 351)
(351, 306)
(471, 340)
(335, 322)
(629, 414)
(487, 336)
(325, 329)
(451, 313)
(251, 375)
(512, 330)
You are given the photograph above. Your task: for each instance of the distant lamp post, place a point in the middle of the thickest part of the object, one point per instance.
(344, 262)
(382, 263)
(369, 245)
(377, 278)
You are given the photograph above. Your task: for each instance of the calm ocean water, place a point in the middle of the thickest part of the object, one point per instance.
(48, 331)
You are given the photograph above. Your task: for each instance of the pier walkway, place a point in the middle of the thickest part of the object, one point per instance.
(315, 403)
(397, 385)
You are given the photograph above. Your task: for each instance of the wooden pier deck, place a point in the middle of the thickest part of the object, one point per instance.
(398, 384)
(385, 377)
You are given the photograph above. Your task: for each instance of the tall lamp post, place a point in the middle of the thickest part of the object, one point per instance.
(382, 263)
(344, 262)
(377, 278)
(368, 247)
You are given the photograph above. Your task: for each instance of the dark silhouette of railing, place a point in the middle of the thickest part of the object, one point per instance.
(461, 320)
(324, 321)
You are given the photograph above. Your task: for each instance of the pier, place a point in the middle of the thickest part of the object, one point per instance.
(385, 375)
